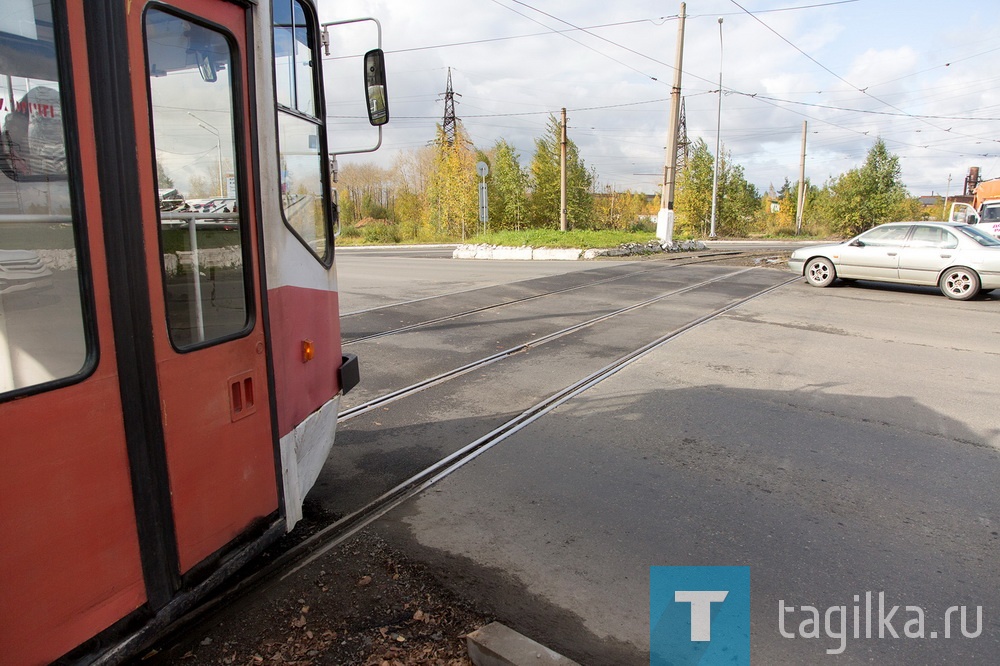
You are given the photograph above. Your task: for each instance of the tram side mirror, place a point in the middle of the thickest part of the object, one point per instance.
(206, 68)
(378, 102)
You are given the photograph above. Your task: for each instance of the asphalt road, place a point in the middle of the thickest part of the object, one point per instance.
(837, 441)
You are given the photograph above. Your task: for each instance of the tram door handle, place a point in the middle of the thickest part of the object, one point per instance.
(242, 397)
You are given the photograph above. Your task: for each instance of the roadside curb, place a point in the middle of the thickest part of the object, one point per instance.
(528, 253)
(499, 645)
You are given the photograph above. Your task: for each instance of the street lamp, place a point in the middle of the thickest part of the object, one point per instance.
(718, 137)
(205, 125)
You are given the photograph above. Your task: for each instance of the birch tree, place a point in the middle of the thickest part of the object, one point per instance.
(452, 193)
(508, 188)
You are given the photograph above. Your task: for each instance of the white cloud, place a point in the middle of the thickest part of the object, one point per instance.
(508, 87)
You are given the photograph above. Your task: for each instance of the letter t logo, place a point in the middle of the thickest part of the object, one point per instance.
(701, 610)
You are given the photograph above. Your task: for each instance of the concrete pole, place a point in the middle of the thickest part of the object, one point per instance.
(947, 193)
(665, 218)
(718, 141)
(563, 224)
(800, 209)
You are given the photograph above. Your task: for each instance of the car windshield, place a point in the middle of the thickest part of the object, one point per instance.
(980, 236)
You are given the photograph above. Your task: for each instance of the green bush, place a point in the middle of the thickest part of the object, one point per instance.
(350, 231)
(381, 234)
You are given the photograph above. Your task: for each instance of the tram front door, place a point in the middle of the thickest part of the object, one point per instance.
(203, 271)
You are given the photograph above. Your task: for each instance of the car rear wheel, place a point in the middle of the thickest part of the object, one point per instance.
(959, 283)
(820, 272)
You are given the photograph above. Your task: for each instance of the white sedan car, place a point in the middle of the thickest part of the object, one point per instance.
(960, 259)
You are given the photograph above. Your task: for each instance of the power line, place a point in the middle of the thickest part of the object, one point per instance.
(863, 91)
(575, 27)
(915, 116)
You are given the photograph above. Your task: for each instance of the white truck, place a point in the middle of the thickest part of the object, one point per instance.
(984, 212)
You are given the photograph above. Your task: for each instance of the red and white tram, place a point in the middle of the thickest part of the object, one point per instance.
(170, 357)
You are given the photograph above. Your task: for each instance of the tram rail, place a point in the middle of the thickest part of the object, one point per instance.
(380, 401)
(715, 256)
(698, 259)
(332, 535)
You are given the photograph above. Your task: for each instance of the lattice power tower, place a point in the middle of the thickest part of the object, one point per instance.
(448, 125)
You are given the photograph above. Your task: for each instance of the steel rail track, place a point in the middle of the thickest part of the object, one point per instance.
(307, 551)
(437, 320)
(398, 394)
(336, 533)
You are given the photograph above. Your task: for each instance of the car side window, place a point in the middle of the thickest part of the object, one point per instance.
(882, 236)
(934, 237)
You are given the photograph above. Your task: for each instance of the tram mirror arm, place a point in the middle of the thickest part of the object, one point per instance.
(376, 96)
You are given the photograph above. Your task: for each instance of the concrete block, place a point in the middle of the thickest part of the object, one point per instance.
(464, 252)
(499, 645)
(556, 253)
(522, 253)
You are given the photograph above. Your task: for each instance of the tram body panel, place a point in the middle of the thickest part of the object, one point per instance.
(308, 390)
(179, 429)
(70, 562)
(67, 519)
(303, 304)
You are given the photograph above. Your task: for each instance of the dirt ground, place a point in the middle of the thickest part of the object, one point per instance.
(777, 260)
(361, 603)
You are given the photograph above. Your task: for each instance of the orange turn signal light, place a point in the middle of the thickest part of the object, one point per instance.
(308, 351)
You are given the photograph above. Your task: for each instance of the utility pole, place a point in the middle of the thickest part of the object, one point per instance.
(665, 218)
(718, 141)
(800, 209)
(563, 225)
(944, 210)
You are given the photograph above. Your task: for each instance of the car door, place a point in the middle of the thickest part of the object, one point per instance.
(929, 250)
(874, 255)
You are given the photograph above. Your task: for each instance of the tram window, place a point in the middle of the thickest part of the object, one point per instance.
(301, 185)
(42, 331)
(293, 57)
(300, 136)
(202, 229)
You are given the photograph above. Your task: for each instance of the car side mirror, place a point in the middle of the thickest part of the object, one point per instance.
(857, 242)
(378, 101)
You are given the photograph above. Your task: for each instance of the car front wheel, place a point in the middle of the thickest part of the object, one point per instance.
(820, 272)
(959, 283)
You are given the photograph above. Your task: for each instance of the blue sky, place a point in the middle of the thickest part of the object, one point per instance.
(924, 76)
